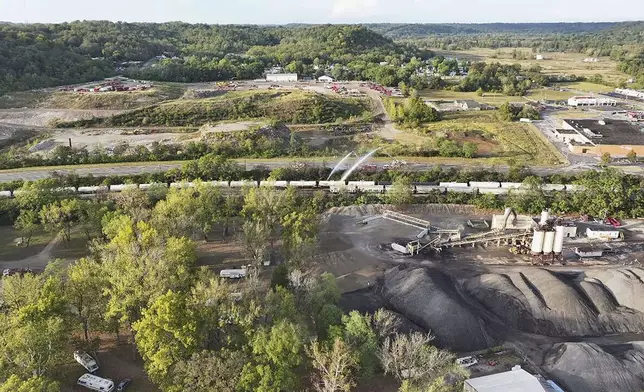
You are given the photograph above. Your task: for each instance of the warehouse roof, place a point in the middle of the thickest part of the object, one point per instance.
(513, 381)
(607, 131)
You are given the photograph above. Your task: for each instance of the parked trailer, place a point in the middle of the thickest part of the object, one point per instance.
(86, 361)
(96, 383)
(233, 273)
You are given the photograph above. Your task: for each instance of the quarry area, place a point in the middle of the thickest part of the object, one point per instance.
(488, 285)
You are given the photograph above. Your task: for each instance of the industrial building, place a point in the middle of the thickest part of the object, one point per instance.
(604, 234)
(281, 77)
(630, 93)
(516, 380)
(596, 137)
(591, 101)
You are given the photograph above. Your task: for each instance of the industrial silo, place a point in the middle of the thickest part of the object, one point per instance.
(545, 215)
(537, 242)
(548, 242)
(559, 239)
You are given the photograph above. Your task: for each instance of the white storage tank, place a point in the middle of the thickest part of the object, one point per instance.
(274, 184)
(303, 184)
(549, 242)
(537, 242)
(219, 183)
(360, 184)
(559, 239)
(241, 184)
(545, 215)
(511, 185)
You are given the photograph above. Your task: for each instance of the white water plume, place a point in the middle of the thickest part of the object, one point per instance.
(360, 162)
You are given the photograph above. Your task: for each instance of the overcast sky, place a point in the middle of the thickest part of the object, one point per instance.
(322, 11)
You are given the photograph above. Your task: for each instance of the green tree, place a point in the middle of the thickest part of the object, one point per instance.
(631, 156)
(84, 291)
(28, 223)
(401, 192)
(60, 217)
(33, 384)
(470, 149)
(167, 332)
(361, 337)
(277, 353)
(480, 92)
(606, 158)
(209, 371)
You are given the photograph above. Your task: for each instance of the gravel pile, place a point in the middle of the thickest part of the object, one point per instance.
(586, 367)
(428, 298)
(543, 302)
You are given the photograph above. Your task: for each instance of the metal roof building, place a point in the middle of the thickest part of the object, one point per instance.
(513, 381)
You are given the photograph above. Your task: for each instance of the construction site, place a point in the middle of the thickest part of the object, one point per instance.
(544, 288)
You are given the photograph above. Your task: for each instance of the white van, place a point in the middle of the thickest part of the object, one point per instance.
(95, 383)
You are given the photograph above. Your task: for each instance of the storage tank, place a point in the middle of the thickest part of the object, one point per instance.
(537, 242)
(548, 242)
(545, 215)
(559, 239)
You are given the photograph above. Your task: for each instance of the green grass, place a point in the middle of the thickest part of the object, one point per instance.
(588, 87)
(555, 63)
(521, 143)
(576, 113)
(295, 107)
(10, 252)
(547, 94)
(488, 98)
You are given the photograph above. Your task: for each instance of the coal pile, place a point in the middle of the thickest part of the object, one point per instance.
(586, 367)
(428, 298)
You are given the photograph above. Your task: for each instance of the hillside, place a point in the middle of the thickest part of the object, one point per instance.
(418, 30)
(290, 107)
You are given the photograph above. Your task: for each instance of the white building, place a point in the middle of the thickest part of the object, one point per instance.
(604, 234)
(591, 101)
(285, 77)
(325, 79)
(516, 380)
(630, 93)
(539, 57)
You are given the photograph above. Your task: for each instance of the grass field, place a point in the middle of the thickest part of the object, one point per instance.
(488, 98)
(588, 87)
(74, 249)
(576, 113)
(10, 252)
(503, 141)
(555, 63)
(547, 94)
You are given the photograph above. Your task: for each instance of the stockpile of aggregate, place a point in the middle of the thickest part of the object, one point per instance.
(544, 302)
(587, 367)
(428, 298)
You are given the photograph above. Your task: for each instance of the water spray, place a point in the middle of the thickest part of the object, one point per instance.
(360, 162)
(339, 164)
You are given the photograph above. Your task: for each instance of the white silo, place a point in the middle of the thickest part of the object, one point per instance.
(537, 242)
(559, 239)
(545, 215)
(548, 242)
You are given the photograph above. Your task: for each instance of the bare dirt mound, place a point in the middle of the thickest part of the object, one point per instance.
(586, 367)
(543, 302)
(428, 298)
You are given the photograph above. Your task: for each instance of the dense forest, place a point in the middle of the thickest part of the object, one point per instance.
(40, 55)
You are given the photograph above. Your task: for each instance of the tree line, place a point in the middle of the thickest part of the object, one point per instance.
(194, 331)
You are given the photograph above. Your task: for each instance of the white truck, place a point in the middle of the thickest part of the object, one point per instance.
(96, 383)
(86, 361)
